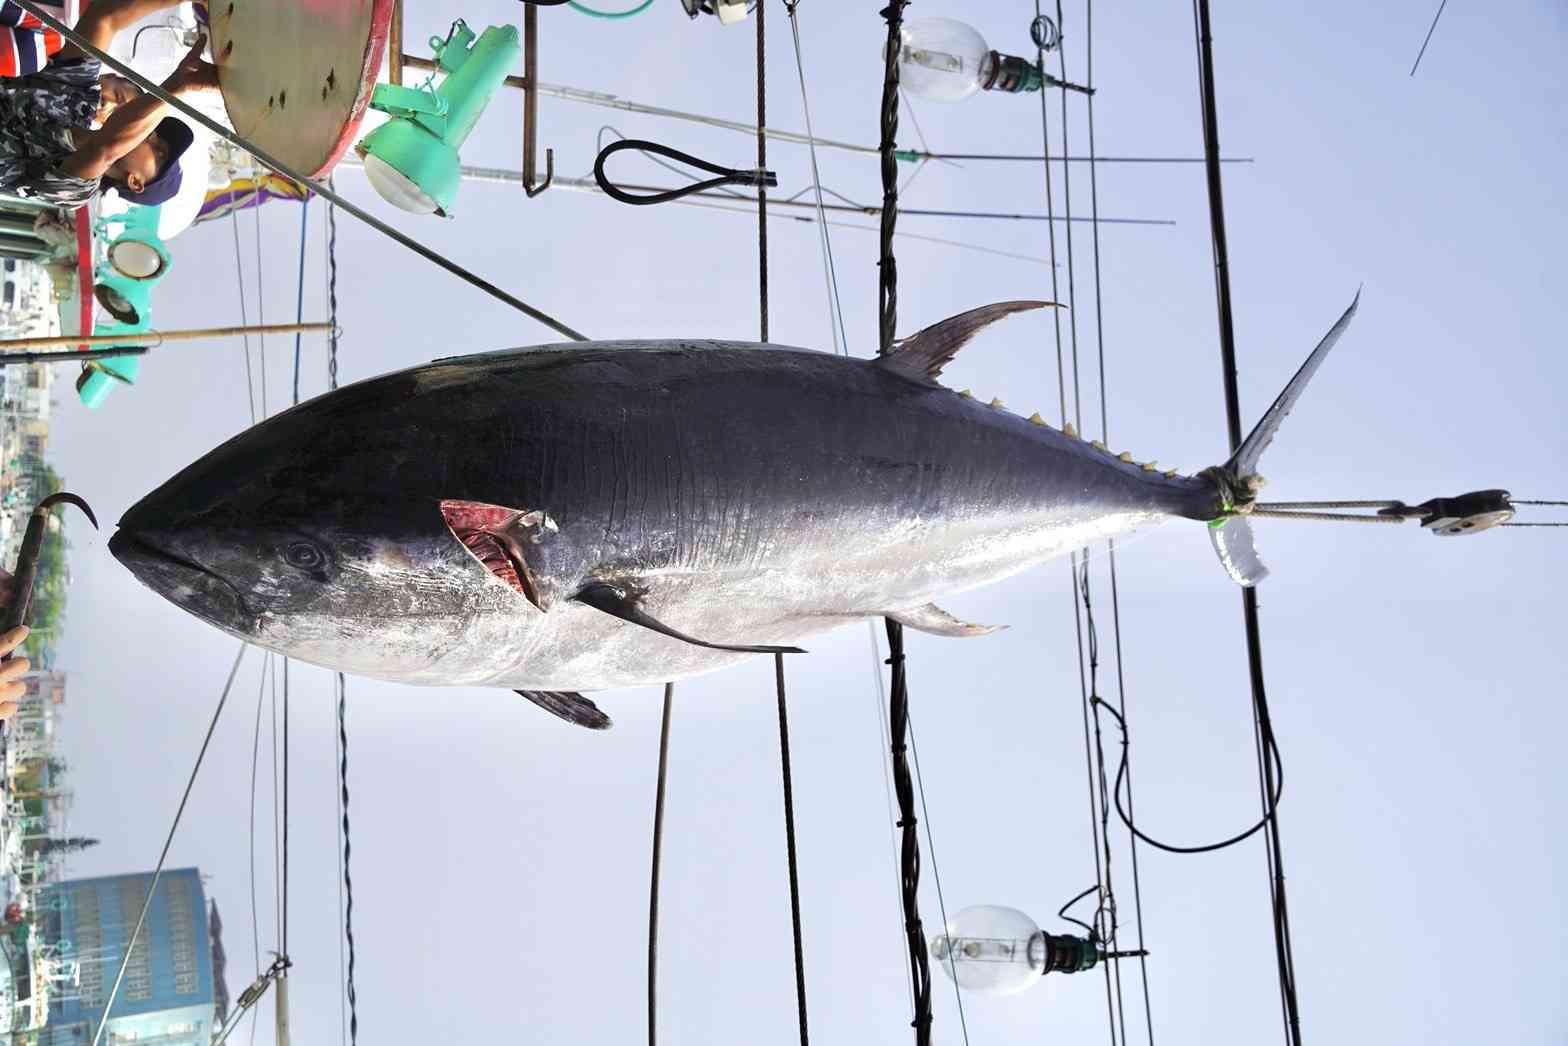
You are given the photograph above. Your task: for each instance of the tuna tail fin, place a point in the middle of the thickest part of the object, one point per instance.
(1238, 478)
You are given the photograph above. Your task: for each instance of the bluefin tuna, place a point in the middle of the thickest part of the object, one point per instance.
(577, 517)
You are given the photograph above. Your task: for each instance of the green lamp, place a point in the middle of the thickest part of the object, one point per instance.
(135, 261)
(411, 160)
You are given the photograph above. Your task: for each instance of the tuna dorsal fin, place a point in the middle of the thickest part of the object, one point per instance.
(570, 706)
(938, 622)
(922, 355)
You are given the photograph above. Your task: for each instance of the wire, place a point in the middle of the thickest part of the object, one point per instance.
(1061, 913)
(936, 876)
(1430, 30)
(726, 175)
(653, 886)
(255, 760)
(157, 874)
(1266, 819)
(789, 836)
(239, 281)
(609, 15)
(762, 197)
(830, 276)
(299, 309)
(1116, 613)
(348, 881)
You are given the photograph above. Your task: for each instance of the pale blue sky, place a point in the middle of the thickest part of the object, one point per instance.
(500, 857)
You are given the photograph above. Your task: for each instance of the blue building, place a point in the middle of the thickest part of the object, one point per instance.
(168, 995)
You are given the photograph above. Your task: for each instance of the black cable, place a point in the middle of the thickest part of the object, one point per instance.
(726, 175)
(789, 838)
(1268, 817)
(348, 879)
(762, 195)
(1061, 913)
(1270, 776)
(909, 870)
(898, 702)
(284, 934)
(653, 887)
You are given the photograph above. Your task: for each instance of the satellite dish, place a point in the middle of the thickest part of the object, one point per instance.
(297, 75)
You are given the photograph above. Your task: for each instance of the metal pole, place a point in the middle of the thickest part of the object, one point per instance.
(71, 355)
(64, 340)
(610, 101)
(280, 1010)
(530, 96)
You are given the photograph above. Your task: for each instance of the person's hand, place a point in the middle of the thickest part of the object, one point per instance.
(193, 76)
(11, 686)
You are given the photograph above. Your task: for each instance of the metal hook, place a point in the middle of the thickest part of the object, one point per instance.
(549, 176)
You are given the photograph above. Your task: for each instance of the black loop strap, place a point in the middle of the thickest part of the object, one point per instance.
(726, 175)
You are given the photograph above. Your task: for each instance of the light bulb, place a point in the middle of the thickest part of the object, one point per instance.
(992, 950)
(941, 60)
(395, 188)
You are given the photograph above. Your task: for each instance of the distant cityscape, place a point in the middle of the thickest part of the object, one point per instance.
(64, 939)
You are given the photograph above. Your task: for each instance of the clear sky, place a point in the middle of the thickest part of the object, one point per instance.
(500, 857)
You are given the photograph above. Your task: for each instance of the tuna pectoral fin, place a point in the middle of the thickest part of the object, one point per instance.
(619, 603)
(933, 619)
(570, 706)
(922, 355)
(1233, 541)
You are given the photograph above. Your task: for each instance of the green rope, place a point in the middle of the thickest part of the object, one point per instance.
(639, 9)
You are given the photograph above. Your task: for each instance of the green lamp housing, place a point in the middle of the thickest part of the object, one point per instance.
(411, 160)
(135, 262)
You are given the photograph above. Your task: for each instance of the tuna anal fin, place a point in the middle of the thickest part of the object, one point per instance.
(1233, 541)
(938, 622)
(619, 603)
(570, 706)
(922, 355)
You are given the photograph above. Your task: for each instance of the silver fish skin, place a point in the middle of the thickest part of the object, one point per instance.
(742, 493)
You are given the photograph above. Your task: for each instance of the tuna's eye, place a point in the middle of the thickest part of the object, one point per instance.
(304, 555)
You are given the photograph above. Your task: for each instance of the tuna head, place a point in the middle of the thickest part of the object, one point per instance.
(298, 559)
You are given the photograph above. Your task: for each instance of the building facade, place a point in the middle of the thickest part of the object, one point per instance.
(168, 994)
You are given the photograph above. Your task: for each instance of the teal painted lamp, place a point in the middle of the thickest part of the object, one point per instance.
(135, 262)
(411, 160)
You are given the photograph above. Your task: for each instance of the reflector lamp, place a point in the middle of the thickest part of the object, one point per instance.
(412, 159)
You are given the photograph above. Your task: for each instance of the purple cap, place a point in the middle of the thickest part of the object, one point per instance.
(178, 137)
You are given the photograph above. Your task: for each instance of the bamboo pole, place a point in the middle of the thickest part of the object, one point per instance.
(395, 45)
(61, 341)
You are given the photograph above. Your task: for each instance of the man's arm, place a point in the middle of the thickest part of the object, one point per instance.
(130, 124)
(127, 127)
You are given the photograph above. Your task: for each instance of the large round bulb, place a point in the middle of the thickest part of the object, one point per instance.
(396, 188)
(942, 60)
(991, 950)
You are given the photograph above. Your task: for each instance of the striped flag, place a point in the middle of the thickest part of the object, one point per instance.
(25, 45)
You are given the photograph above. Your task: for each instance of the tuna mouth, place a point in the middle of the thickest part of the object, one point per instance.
(184, 582)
